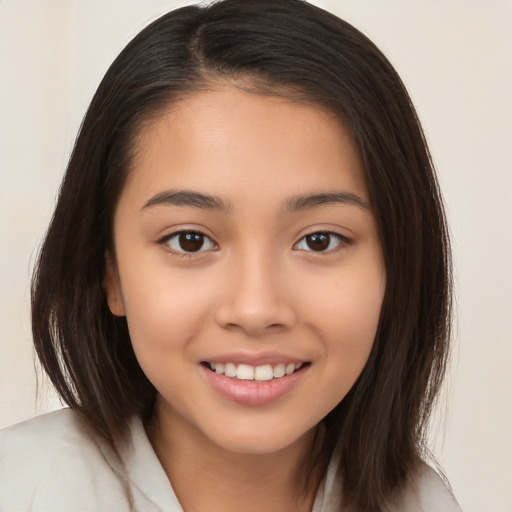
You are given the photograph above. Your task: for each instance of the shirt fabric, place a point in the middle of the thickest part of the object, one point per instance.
(54, 463)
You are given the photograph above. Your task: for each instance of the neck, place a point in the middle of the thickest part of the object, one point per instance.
(206, 477)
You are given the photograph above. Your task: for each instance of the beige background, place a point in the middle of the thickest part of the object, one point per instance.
(456, 59)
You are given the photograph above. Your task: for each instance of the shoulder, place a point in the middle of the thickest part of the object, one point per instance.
(59, 427)
(53, 460)
(48, 441)
(427, 492)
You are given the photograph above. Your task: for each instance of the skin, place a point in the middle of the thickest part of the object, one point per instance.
(256, 287)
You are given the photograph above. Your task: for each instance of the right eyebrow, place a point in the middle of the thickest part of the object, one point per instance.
(188, 198)
(298, 203)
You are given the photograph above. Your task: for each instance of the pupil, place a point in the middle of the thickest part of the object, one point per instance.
(191, 242)
(318, 241)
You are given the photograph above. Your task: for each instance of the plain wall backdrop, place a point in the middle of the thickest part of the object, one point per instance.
(455, 57)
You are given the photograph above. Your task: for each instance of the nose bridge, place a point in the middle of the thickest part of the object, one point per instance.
(255, 298)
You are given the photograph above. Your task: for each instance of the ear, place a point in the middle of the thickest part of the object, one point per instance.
(112, 286)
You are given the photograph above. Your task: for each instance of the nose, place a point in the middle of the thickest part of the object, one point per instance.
(255, 298)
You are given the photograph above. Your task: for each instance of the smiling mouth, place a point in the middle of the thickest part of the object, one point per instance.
(266, 372)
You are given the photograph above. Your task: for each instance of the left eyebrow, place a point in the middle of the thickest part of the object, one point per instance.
(299, 203)
(188, 198)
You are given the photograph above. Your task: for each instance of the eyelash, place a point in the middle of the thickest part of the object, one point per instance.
(342, 241)
(164, 241)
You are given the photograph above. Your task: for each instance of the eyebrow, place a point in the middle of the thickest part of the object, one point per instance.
(299, 203)
(294, 204)
(188, 198)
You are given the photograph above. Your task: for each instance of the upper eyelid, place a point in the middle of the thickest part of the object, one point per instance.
(343, 240)
(163, 242)
(334, 228)
(324, 232)
(175, 232)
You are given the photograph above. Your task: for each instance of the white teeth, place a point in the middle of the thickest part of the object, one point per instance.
(263, 372)
(259, 373)
(230, 370)
(244, 372)
(279, 370)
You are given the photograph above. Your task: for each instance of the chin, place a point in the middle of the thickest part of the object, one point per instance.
(257, 440)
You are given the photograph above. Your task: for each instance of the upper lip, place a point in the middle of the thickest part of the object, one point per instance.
(254, 358)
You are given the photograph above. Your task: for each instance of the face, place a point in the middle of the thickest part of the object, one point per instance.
(248, 265)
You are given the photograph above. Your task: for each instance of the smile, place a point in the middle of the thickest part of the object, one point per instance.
(261, 373)
(254, 385)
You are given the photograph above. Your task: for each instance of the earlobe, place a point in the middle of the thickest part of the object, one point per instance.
(112, 287)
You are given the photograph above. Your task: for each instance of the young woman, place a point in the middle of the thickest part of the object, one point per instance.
(244, 292)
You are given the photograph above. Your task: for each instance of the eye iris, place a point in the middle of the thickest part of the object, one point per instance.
(191, 242)
(318, 241)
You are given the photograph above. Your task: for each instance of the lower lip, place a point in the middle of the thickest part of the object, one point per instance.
(250, 392)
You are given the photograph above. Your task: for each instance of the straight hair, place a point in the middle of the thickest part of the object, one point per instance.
(274, 47)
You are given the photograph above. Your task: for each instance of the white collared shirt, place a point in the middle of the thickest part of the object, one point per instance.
(53, 463)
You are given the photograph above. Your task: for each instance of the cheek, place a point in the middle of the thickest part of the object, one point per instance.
(347, 308)
(163, 321)
(164, 311)
(349, 332)
(345, 318)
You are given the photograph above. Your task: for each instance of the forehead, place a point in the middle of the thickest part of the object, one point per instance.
(227, 139)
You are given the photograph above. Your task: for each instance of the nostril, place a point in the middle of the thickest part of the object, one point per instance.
(255, 314)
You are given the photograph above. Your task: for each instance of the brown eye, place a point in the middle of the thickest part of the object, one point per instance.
(320, 242)
(189, 241)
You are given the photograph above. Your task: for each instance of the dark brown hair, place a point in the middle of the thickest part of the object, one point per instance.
(290, 48)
